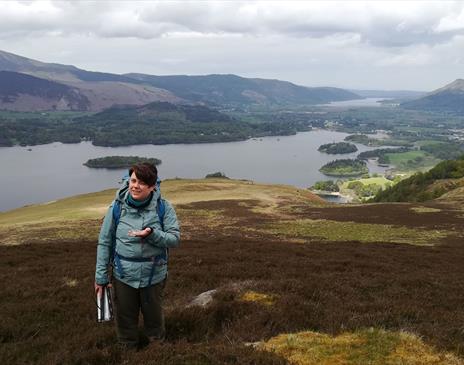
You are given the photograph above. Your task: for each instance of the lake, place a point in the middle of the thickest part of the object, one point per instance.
(372, 102)
(55, 170)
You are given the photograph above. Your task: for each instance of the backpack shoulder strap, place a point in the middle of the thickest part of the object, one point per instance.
(116, 212)
(114, 256)
(160, 210)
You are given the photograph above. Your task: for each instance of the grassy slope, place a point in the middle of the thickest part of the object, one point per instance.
(455, 195)
(306, 282)
(405, 161)
(177, 191)
(445, 177)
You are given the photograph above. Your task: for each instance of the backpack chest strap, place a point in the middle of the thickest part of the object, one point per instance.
(158, 260)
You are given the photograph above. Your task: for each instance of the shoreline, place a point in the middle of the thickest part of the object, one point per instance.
(337, 197)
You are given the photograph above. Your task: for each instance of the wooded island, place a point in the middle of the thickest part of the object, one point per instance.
(119, 162)
(345, 167)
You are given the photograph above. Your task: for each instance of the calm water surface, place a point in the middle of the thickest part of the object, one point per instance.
(54, 171)
(358, 103)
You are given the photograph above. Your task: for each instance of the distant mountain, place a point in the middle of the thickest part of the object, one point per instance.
(390, 94)
(104, 90)
(54, 71)
(236, 90)
(22, 92)
(448, 99)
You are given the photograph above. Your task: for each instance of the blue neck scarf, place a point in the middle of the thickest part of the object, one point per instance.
(139, 203)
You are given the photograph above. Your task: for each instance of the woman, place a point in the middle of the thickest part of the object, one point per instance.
(135, 236)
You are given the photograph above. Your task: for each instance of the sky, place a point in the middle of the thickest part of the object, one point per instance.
(388, 45)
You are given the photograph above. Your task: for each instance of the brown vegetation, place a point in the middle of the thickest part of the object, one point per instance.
(329, 287)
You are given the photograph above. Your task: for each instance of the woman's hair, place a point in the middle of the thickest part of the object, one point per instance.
(146, 172)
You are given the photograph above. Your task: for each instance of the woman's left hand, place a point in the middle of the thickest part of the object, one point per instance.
(142, 234)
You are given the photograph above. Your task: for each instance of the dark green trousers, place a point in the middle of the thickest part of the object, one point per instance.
(129, 302)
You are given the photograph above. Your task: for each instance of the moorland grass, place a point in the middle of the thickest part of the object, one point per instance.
(177, 191)
(256, 297)
(369, 346)
(48, 315)
(332, 231)
(53, 231)
(425, 210)
(76, 208)
(48, 310)
(186, 191)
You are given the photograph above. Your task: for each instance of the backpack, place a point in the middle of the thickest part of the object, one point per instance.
(116, 258)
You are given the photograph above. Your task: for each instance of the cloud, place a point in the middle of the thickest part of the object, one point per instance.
(347, 43)
(453, 22)
(377, 23)
(409, 59)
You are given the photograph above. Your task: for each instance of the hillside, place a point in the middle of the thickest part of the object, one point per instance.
(296, 281)
(21, 92)
(235, 90)
(104, 90)
(448, 99)
(163, 123)
(422, 186)
(55, 71)
(155, 123)
(161, 111)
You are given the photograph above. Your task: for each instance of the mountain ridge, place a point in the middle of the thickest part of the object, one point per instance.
(210, 89)
(448, 99)
(104, 90)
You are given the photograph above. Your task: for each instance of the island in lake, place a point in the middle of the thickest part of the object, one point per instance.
(337, 148)
(119, 162)
(345, 167)
(216, 175)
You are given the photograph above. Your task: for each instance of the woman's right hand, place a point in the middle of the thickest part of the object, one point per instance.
(99, 289)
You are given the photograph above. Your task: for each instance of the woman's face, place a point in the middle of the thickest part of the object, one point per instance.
(138, 189)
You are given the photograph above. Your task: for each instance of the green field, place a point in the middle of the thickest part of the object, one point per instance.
(381, 180)
(412, 160)
(427, 142)
(367, 188)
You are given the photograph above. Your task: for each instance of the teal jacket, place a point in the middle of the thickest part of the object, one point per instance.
(136, 274)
